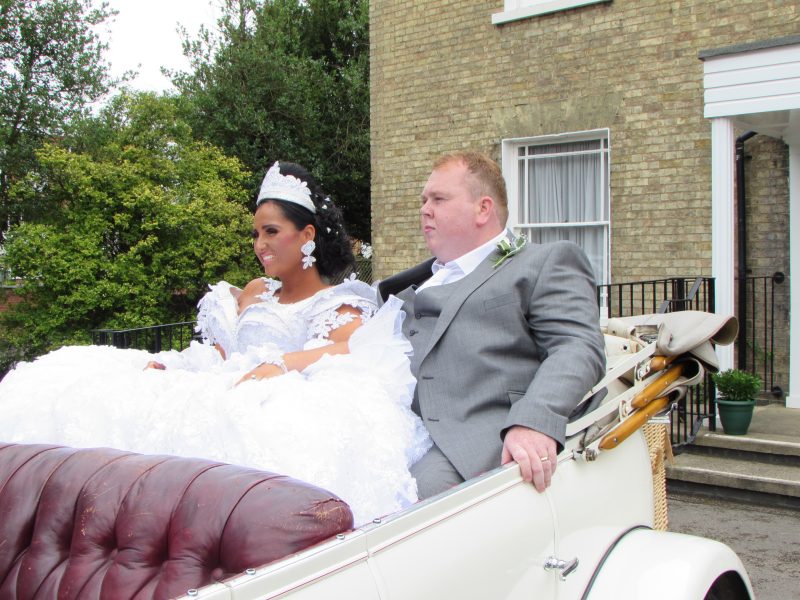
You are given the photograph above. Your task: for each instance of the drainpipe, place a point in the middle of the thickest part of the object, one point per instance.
(741, 226)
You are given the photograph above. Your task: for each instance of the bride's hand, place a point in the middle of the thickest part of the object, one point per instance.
(154, 365)
(262, 371)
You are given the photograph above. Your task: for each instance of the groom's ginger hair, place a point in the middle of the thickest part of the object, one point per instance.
(486, 174)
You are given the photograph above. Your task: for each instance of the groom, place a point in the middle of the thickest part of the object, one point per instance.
(505, 336)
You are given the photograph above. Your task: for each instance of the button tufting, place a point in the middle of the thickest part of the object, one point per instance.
(91, 487)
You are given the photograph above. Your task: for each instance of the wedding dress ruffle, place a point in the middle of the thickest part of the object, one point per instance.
(344, 423)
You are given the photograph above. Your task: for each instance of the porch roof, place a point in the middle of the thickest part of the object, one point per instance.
(756, 85)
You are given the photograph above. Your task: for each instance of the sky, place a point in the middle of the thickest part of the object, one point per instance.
(144, 37)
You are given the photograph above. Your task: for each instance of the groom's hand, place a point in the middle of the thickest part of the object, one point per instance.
(534, 452)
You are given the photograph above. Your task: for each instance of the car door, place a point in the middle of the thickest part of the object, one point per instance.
(487, 538)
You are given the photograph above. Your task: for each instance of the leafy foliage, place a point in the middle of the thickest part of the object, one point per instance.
(736, 385)
(139, 218)
(51, 70)
(289, 80)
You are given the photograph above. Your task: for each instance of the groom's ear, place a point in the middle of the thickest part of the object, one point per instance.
(486, 210)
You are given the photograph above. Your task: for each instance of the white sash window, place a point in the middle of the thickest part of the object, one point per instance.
(558, 189)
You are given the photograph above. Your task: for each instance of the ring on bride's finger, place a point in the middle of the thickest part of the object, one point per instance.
(544, 458)
(253, 377)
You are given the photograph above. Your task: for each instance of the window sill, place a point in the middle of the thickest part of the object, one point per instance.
(542, 7)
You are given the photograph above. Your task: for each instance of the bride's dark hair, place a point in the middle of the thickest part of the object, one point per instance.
(333, 252)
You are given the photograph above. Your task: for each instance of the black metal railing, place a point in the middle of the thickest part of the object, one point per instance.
(169, 336)
(756, 340)
(657, 296)
(662, 296)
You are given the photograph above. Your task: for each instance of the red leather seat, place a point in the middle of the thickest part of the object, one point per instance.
(101, 523)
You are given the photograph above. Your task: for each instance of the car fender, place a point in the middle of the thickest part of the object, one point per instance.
(656, 564)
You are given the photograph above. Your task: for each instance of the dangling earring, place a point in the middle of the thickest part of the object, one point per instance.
(307, 249)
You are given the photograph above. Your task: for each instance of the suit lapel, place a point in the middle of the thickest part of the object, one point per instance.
(468, 285)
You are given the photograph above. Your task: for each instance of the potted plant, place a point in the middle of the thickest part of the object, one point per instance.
(737, 398)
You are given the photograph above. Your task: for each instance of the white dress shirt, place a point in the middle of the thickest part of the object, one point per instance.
(462, 266)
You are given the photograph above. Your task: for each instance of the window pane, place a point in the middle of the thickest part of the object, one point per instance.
(564, 183)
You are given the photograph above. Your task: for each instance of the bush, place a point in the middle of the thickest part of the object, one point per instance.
(737, 386)
(138, 220)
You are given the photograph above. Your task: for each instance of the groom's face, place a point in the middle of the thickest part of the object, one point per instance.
(449, 211)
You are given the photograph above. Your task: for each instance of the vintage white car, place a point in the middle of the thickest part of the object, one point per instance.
(590, 535)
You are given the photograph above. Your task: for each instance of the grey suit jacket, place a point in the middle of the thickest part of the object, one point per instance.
(519, 344)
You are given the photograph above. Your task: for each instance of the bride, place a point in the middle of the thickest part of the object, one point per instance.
(294, 376)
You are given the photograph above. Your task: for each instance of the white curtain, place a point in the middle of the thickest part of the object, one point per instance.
(564, 183)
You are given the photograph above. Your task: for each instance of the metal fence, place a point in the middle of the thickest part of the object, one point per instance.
(169, 336)
(756, 344)
(661, 296)
(657, 296)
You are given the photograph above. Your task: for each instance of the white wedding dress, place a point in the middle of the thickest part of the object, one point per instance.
(344, 423)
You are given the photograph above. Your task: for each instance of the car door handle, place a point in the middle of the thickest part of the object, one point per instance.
(565, 566)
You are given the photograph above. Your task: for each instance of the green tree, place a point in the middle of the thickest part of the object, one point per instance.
(51, 70)
(289, 79)
(139, 219)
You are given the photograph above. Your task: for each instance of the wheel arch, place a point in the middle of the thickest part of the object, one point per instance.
(643, 563)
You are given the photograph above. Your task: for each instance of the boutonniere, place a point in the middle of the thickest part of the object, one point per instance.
(506, 249)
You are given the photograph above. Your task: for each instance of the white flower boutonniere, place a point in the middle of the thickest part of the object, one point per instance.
(506, 249)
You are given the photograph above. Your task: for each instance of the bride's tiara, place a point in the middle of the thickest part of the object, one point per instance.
(277, 186)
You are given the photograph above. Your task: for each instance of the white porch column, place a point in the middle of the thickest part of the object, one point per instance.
(793, 397)
(722, 226)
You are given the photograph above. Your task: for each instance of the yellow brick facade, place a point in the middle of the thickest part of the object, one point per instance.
(445, 78)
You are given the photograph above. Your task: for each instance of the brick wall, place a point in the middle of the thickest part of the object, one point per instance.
(445, 78)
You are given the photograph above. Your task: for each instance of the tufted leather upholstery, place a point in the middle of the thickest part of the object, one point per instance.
(101, 523)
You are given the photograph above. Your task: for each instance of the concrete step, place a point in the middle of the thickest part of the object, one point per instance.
(735, 478)
(761, 467)
(756, 447)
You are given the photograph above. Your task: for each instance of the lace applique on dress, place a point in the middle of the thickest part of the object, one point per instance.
(324, 323)
(325, 315)
(272, 285)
